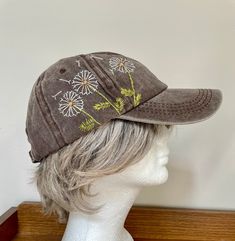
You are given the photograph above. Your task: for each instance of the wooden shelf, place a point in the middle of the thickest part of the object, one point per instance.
(28, 223)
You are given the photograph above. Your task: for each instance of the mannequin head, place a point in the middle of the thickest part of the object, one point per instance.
(150, 170)
(129, 149)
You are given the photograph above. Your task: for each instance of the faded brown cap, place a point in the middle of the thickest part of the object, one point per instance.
(78, 94)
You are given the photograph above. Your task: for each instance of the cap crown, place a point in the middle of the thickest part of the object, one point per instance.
(78, 94)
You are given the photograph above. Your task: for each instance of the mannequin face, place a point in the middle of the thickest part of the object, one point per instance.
(151, 169)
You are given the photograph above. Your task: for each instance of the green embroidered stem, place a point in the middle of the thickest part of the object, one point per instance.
(83, 111)
(106, 99)
(132, 86)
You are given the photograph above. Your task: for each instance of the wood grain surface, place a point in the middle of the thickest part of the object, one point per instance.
(8, 225)
(144, 224)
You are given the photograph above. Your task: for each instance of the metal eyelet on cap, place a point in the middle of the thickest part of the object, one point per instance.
(62, 70)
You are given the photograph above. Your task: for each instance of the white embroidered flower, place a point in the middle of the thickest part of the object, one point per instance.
(85, 82)
(70, 104)
(121, 64)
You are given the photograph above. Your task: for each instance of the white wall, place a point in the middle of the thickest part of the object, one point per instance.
(185, 43)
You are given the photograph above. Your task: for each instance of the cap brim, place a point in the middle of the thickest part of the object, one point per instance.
(177, 106)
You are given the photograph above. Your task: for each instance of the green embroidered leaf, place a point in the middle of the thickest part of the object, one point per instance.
(127, 92)
(119, 103)
(137, 99)
(87, 125)
(101, 105)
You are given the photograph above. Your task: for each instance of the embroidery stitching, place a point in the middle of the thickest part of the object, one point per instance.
(121, 64)
(85, 83)
(78, 62)
(54, 96)
(68, 81)
(72, 104)
(124, 65)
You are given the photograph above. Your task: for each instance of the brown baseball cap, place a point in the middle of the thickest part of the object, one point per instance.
(78, 94)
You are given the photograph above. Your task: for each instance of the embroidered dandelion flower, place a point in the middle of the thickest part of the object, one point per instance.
(71, 104)
(126, 66)
(85, 82)
(121, 64)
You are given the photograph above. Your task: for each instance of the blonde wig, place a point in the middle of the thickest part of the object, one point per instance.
(64, 178)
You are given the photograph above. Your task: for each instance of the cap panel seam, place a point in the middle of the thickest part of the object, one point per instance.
(114, 82)
(99, 78)
(106, 73)
(44, 118)
(51, 117)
